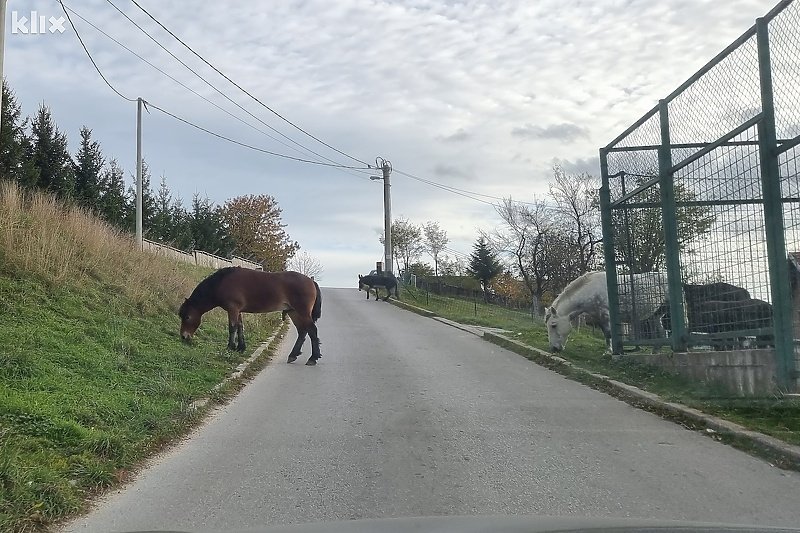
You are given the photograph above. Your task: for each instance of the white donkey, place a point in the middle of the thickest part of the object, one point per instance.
(589, 295)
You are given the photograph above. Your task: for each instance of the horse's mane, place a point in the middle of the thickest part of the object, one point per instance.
(205, 289)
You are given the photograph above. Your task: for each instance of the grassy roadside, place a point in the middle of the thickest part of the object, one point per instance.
(777, 417)
(93, 376)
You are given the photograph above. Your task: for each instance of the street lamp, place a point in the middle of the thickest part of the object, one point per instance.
(386, 167)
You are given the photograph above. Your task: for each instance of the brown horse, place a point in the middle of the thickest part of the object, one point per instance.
(241, 290)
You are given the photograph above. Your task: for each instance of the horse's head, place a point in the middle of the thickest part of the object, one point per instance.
(190, 319)
(558, 328)
(361, 282)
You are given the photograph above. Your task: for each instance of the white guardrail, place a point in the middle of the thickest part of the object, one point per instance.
(196, 257)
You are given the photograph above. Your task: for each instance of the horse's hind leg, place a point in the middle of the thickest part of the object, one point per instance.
(233, 328)
(240, 330)
(315, 351)
(301, 336)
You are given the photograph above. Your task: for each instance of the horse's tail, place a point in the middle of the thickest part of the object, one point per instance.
(316, 312)
(397, 289)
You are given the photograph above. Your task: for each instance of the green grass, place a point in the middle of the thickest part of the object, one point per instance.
(89, 385)
(777, 417)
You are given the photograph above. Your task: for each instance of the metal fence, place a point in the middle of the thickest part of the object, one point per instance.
(704, 189)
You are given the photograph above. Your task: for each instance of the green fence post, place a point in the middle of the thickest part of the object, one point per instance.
(610, 256)
(773, 218)
(669, 217)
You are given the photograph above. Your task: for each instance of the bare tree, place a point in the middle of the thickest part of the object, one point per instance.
(523, 239)
(435, 241)
(306, 264)
(577, 205)
(452, 266)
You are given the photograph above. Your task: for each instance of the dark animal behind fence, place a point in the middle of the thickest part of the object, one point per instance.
(716, 308)
(241, 290)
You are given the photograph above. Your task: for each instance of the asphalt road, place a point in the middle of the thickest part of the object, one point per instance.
(405, 416)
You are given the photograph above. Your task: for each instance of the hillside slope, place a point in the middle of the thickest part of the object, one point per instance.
(93, 376)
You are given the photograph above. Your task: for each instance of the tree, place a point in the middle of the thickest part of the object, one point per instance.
(452, 266)
(181, 234)
(254, 224)
(484, 266)
(421, 270)
(88, 170)
(641, 246)
(15, 163)
(162, 226)
(207, 229)
(49, 153)
(113, 204)
(435, 241)
(306, 264)
(406, 241)
(577, 204)
(148, 202)
(524, 238)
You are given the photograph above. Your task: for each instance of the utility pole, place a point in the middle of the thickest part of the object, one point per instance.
(139, 103)
(386, 167)
(3, 4)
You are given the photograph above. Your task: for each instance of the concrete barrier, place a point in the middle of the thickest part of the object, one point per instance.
(196, 257)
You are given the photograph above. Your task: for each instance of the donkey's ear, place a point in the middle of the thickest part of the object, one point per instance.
(360, 276)
(553, 311)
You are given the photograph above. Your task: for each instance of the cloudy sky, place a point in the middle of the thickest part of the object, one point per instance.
(483, 96)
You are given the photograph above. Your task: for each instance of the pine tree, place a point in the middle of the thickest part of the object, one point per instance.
(14, 144)
(113, 204)
(181, 235)
(50, 155)
(484, 266)
(89, 164)
(148, 203)
(162, 223)
(207, 230)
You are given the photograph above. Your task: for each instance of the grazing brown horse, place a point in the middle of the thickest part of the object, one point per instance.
(241, 290)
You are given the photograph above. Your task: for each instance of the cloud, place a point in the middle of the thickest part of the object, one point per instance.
(451, 170)
(588, 165)
(561, 132)
(482, 95)
(459, 136)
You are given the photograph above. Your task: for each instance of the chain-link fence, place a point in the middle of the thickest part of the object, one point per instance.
(704, 188)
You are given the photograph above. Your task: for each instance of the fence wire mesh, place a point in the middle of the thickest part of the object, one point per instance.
(724, 241)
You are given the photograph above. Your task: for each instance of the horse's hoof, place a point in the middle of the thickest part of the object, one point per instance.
(232, 347)
(311, 362)
(241, 348)
(292, 359)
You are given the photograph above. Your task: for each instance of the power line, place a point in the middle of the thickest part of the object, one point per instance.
(461, 192)
(251, 147)
(189, 123)
(212, 86)
(100, 30)
(90, 56)
(265, 106)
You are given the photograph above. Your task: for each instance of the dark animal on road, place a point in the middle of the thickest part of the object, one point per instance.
(373, 281)
(240, 290)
